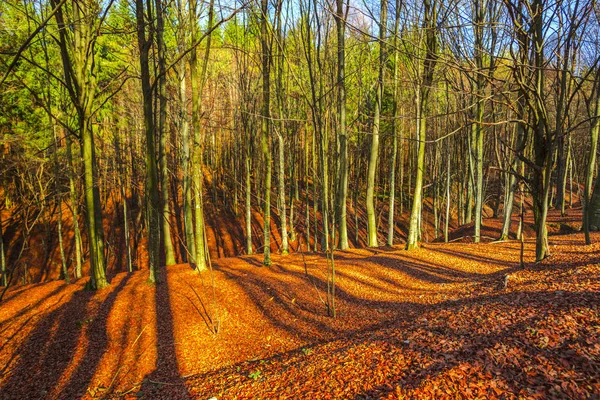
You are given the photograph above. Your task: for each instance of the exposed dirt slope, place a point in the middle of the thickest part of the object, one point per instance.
(36, 257)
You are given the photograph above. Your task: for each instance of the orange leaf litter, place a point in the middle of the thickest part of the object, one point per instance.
(433, 323)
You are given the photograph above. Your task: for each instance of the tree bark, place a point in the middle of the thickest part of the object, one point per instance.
(342, 176)
(145, 39)
(591, 206)
(162, 134)
(392, 199)
(79, 71)
(265, 125)
(374, 155)
(422, 103)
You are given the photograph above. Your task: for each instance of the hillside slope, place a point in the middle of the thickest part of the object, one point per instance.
(433, 322)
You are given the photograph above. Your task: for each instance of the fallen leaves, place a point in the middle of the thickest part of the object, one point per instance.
(424, 324)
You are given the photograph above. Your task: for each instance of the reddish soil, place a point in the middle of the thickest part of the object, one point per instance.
(432, 323)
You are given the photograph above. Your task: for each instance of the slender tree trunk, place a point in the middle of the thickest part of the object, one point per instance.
(415, 214)
(478, 158)
(188, 218)
(248, 203)
(281, 202)
(477, 133)
(392, 199)
(374, 155)
(281, 195)
(543, 148)
(570, 161)
(447, 221)
(162, 134)
(589, 211)
(122, 178)
(74, 207)
(324, 178)
(293, 187)
(422, 104)
(152, 196)
(342, 177)
(198, 82)
(58, 198)
(93, 214)
(512, 186)
(561, 173)
(265, 122)
(470, 177)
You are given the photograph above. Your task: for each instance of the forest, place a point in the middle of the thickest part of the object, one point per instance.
(299, 199)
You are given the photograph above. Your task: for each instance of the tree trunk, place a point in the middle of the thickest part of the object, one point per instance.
(392, 199)
(122, 179)
(188, 218)
(374, 155)
(162, 134)
(152, 195)
(593, 211)
(422, 103)
(281, 202)
(248, 203)
(79, 73)
(281, 195)
(512, 186)
(447, 221)
(198, 81)
(74, 207)
(342, 176)
(58, 201)
(265, 122)
(591, 207)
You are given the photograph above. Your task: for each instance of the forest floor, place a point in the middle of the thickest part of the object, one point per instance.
(436, 322)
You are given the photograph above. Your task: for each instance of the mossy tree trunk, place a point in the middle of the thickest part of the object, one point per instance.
(162, 135)
(342, 175)
(198, 79)
(77, 50)
(145, 36)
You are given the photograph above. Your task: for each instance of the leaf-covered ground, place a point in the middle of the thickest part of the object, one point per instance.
(432, 323)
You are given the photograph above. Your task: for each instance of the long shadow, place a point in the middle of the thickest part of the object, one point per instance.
(302, 318)
(427, 272)
(296, 312)
(46, 355)
(166, 380)
(476, 347)
(471, 257)
(417, 270)
(97, 338)
(473, 347)
(29, 308)
(376, 284)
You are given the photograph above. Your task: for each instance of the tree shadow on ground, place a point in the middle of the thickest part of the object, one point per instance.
(292, 296)
(166, 380)
(288, 298)
(48, 363)
(361, 378)
(499, 354)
